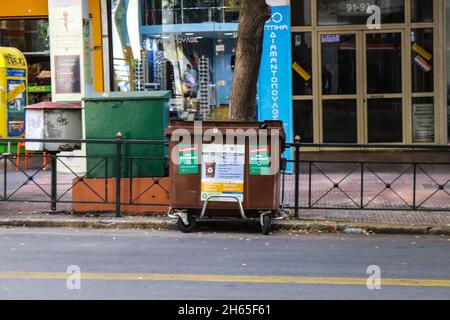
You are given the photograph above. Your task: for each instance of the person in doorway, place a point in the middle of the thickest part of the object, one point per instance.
(190, 82)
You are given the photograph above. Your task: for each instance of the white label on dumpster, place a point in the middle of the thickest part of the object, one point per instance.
(223, 172)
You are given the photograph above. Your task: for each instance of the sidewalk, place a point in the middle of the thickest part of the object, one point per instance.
(37, 214)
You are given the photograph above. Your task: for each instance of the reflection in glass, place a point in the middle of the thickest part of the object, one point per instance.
(304, 120)
(423, 120)
(340, 121)
(302, 63)
(301, 13)
(185, 46)
(422, 11)
(422, 60)
(157, 12)
(338, 12)
(385, 120)
(338, 64)
(384, 63)
(30, 35)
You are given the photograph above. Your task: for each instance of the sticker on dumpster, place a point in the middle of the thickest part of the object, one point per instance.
(259, 161)
(223, 172)
(189, 159)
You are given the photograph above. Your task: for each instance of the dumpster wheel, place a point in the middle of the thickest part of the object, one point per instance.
(265, 224)
(190, 226)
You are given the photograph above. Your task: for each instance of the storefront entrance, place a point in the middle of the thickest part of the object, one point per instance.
(362, 92)
(356, 83)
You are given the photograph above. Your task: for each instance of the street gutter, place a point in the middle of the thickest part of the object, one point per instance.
(283, 226)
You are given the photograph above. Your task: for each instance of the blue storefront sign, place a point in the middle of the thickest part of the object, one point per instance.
(275, 78)
(16, 73)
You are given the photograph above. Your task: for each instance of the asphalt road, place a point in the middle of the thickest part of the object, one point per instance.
(170, 265)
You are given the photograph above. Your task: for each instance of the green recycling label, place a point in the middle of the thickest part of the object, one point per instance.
(189, 159)
(259, 161)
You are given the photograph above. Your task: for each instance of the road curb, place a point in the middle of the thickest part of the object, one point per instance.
(103, 224)
(301, 226)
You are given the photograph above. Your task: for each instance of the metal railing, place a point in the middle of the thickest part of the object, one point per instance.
(23, 185)
(409, 184)
(317, 181)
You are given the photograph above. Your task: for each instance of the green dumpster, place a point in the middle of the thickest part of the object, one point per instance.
(138, 116)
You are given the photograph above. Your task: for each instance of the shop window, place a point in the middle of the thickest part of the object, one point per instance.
(338, 64)
(338, 12)
(422, 11)
(178, 47)
(157, 12)
(384, 63)
(304, 120)
(385, 120)
(340, 121)
(29, 36)
(422, 60)
(302, 63)
(423, 120)
(301, 13)
(447, 52)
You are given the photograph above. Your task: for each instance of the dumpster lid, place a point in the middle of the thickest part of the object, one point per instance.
(139, 95)
(190, 125)
(54, 105)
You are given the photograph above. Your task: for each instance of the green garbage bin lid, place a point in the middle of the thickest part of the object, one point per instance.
(122, 96)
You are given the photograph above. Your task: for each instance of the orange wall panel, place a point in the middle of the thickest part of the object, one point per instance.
(39, 8)
(24, 8)
(95, 11)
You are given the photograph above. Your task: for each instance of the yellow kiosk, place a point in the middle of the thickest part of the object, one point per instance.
(13, 94)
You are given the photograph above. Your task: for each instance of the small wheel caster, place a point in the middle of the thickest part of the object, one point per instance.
(265, 225)
(187, 228)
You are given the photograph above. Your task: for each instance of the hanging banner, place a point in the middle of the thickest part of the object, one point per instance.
(275, 78)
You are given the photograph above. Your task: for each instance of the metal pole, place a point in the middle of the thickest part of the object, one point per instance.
(297, 141)
(54, 182)
(5, 177)
(118, 173)
(362, 185)
(415, 187)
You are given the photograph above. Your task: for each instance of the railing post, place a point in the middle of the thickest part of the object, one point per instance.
(297, 141)
(54, 183)
(5, 177)
(118, 173)
(414, 186)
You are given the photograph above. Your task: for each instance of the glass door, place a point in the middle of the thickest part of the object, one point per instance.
(339, 90)
(384, 87)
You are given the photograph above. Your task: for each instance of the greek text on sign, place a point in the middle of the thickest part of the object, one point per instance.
(259, 160)
(189, 159)
(223, 172)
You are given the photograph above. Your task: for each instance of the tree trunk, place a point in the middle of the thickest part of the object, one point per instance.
(253, 16)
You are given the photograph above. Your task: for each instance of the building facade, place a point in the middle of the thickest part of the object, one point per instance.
(352, 81)
(357, 84)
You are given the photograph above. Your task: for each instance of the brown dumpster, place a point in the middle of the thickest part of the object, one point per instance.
(225, 170)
